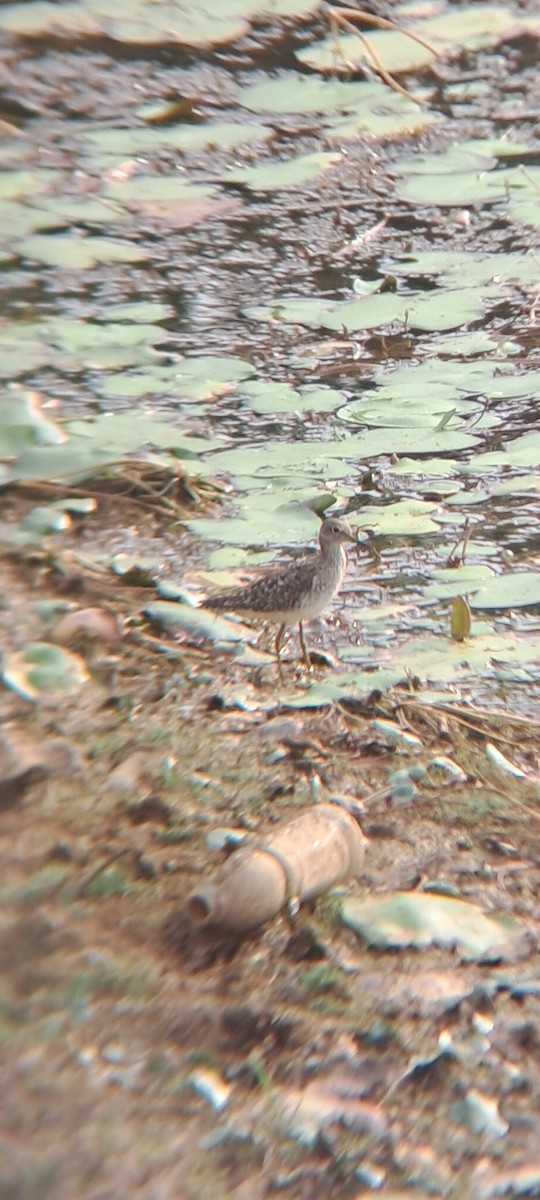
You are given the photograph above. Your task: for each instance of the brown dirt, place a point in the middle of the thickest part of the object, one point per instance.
(112, 999)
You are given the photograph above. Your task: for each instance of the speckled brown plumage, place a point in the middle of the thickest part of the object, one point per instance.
(296, 592)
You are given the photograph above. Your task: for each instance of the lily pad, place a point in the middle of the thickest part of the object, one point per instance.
(397, 51)
(45, 519)
(406, 518)
(327, 460)
(92, 445)
(389, 117)
(138, 312)
(24, 424)
(78, 253)
(136, 22)
(460, 619)
(266, 396)
(352, 687)
(439, 311)
(281, 516)
(449, 582)
(480, 1114)
(522, 452)
(439, 659)
(199, 622)
(419, 919)
(129, 431)
(368, 105)
(473, 27)
(110, 146)
(42, 671)
(270, 177)
(480, 270)
(517, 589)
(193, 380)
(293, 92)
(75, 460)
(424, 413)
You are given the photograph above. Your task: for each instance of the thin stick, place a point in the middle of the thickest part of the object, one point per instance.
(479, 713)
(354, 14)
(80, 888)
(509, 797)
(463, 537)
(307, 659)
(379, 67)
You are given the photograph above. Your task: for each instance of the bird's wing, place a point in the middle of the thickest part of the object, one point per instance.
(271, 591)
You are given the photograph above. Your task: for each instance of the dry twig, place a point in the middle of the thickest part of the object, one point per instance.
(346, 18)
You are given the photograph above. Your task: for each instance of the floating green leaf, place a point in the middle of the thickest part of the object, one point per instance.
(75, 460)
(271, 176)
(136, 22)
(352, 687)
(266, 396)
(130, 431)
(292, 92)
(327, 459)
(397, 51)
(472, 28)
(76, 252)
(198, 622)
(279, 517)
(406, 518)
(460, 619)
(517, 589)
(142, 189)
(23, 424)
(522, 452)
(439, 311)
(436, 658)
(423, 413)
(138, 312)
(42, 670)
(369, 105)
(110, 146)
(193, 380)
(457, 581)
(20, 184)
(418, 919)
(480, 1114)
(45, 519)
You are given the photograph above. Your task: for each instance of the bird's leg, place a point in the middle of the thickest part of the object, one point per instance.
(307, 659)
(279, 640)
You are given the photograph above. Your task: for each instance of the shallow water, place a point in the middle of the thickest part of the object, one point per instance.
(353, 274)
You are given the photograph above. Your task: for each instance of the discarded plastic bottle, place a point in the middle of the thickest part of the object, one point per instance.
(318, 849)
